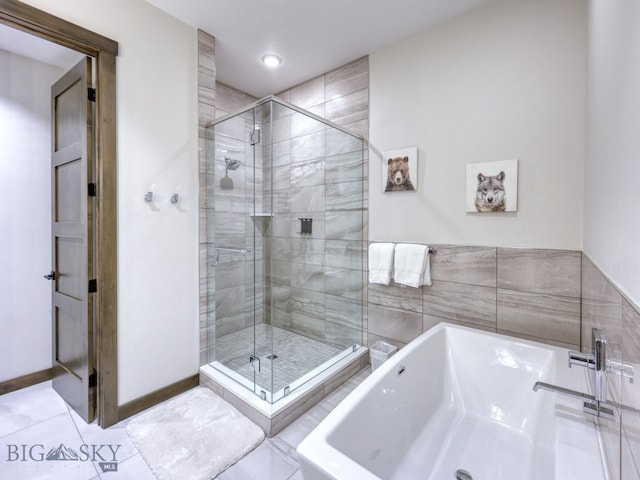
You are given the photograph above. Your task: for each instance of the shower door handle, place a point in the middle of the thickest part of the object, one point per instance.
(51, 276)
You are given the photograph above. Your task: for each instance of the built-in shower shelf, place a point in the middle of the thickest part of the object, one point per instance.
(261, 214)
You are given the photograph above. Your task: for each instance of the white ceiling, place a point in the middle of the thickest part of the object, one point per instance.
(311, 36)
(21, 43)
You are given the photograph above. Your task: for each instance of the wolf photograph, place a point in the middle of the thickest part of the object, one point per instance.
(490, 193)
(400, 170)
(492, 186)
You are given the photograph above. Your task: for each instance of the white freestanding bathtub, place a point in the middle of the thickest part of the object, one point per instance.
(459, 399)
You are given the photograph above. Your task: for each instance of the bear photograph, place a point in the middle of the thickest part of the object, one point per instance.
(400, 170)
(492, 186)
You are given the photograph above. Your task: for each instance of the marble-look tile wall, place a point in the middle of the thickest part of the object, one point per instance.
(232, 307)
(527, 293)
(206, 112)
(604, 306)
(319, 172)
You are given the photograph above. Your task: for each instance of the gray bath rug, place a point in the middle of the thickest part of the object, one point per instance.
(194, 436)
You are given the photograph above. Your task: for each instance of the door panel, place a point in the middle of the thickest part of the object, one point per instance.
(70, 346)
(72, 240)
(68, 105)
(67, 205)
(69, 253)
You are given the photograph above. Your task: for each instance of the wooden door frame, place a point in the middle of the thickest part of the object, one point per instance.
(37, 22)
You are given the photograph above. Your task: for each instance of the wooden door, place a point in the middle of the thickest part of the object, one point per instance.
(74, 376)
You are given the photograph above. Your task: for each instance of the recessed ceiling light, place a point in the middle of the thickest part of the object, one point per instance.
(271, 60)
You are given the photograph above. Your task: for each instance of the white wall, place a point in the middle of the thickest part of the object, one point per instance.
(157, 144)
(25, 214)
(506, 80)
(612, 167)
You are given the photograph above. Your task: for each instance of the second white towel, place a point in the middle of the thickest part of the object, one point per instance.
(411, 265)
(381, 262)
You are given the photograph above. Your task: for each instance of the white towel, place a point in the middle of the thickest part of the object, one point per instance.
(381, 262)
(410, 265)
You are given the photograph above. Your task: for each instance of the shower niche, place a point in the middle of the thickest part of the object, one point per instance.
(286, 247)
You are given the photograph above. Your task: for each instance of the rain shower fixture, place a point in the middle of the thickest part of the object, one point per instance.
(230, 164)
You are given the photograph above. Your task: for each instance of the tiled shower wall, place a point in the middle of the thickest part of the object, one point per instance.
(232, 290)
(206, 112)
(234, 234)
(321, 173)
(315, 278)
(332, 255)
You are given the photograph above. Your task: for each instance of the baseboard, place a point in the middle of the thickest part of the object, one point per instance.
(25, 381)
(146, 401)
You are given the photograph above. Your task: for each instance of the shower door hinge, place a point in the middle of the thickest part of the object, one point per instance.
(91, 189)
(253, 361)
(93, 286)
(91, 94)
(255, 136)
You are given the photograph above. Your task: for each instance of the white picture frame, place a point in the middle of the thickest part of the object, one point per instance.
(400, 170)
(492, 187)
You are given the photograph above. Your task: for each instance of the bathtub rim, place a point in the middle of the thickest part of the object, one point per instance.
(317, 446)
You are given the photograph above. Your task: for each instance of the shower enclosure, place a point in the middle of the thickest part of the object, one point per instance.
(285, 223)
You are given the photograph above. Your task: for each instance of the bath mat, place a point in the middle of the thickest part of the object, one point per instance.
(194, 436)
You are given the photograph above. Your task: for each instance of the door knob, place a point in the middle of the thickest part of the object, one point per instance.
(51, 276)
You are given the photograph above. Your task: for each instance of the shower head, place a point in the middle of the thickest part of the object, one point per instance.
(231, 164)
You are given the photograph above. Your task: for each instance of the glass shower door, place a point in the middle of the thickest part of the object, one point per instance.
(232, 306)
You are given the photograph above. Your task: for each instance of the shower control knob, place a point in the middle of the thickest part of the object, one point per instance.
(51, 276)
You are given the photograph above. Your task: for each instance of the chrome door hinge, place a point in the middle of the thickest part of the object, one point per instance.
(253, 361)
(255, 136)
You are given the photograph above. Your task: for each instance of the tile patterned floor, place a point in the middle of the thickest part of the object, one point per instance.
(35, 420)
(296, 355)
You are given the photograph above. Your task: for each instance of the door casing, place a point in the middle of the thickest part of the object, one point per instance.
(49, 27)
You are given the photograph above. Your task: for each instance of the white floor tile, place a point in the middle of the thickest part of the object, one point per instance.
(38, 418)
(301, 427)
(115, 435)
(29, 406)
(24, 452)
(266, 462)
(296, 476)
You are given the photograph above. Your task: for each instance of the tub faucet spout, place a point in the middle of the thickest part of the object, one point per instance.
(590, 405)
